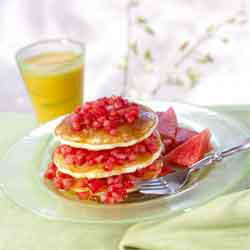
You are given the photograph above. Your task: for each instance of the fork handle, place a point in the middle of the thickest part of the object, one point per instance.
(241, 147)
(220, 155)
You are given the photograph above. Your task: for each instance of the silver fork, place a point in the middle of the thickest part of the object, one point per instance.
(173, 182)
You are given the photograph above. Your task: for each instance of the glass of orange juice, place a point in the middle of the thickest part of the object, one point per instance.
(53, 73)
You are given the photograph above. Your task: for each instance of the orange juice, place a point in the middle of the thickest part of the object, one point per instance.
(54, 81)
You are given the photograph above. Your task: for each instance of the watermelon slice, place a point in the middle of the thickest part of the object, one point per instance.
(190, 151)
(209, 147)
(167, 123)
(166, 170)
(183, 134)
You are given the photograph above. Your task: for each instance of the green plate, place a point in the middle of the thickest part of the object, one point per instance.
(25, 162)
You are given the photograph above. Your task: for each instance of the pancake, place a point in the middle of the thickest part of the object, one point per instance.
(97, 170)
(76, 191)
(149, 174)
(99, 139)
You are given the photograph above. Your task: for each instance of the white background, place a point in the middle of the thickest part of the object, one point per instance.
(102, 25)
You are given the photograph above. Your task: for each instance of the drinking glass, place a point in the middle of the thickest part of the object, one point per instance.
(53, 73)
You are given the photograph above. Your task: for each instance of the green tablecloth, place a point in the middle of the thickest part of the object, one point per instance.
(21, 230)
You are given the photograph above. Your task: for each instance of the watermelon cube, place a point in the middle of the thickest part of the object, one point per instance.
(191, 150)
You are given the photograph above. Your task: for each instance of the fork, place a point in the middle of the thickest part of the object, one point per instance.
(173, 182)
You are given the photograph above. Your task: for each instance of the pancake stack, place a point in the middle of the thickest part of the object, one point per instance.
(106, 146)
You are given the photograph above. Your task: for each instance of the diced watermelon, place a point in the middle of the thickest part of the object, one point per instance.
(190, 151)
(167, 123)
(183, 134)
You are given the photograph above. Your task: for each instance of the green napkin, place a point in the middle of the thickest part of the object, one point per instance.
(222, 224)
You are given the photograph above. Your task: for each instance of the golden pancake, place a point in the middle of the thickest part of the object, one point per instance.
(99, 139)
(148, 175)
(97, 196)
(97, 170)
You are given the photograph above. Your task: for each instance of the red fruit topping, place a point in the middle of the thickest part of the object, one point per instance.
(107, 123)
(63, 175)
(128, 184)
(130, 177)
(83, 195)
(132, 157)
(168, 123)
(67, 183)
(113, 131)
(57, 150)
(107, 198)
(76, 118)
(142, 148)
(52, 166)
(91, 162)
(119, 154)
(152, 167)
(96, 185)
(108, 166)
(79, 159)
(109, 158)
(152, 147)
(69, 159)
(76, 126)
(65, 149)
(190, 151)
(50, 173)
(114, 179)
(107, 113)
(58, 182)
(99, 158)
(114, 195)
(183, 134)
(140, 173)
(84, 182)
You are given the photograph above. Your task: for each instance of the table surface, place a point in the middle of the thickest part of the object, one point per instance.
(33, 232)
